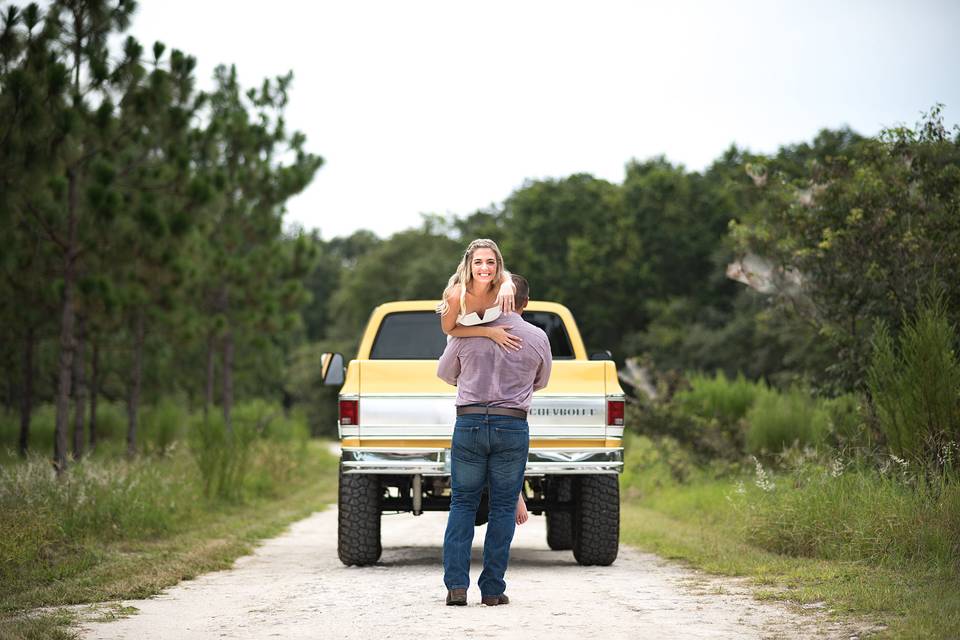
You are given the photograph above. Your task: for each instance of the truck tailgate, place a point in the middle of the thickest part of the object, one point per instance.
(404, 399)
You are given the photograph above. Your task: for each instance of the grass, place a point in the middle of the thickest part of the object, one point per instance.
(869, 545)
(145, 526)
(776, 420)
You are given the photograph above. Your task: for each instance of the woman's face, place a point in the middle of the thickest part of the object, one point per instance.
(483, 266)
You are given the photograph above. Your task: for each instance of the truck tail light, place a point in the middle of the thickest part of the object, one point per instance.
(615, 413)
(349, 412)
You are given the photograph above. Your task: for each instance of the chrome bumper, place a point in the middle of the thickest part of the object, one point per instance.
(436, 462)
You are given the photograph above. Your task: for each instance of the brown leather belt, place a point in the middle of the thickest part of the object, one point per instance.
(492, 411)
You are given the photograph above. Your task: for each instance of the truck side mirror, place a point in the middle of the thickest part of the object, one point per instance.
(331, 368)
(601, 355)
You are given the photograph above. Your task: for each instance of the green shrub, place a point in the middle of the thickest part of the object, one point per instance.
(848, 427)
(915, 384)
(162, 425)
(707, 417)
(719, 397)
(261, 453)
(280, 449)
(654, 463)
(782, 419)
(221, 455)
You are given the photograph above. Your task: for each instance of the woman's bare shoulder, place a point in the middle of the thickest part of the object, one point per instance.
(454, 292)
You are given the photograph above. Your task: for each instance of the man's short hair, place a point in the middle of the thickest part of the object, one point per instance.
(522, 295)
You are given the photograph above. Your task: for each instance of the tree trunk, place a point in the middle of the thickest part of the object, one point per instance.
(211, 373)
(79, 391)
(26, 398)
(133, 399)
(66, 327)
(228, 379)
(94, 392)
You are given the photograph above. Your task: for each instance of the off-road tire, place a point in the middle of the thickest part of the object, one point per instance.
(560, 521)
(596, 519)
(358, 525)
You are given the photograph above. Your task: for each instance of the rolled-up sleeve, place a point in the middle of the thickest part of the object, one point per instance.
(448, 368)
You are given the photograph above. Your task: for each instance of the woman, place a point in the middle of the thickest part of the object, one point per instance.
(481, 289)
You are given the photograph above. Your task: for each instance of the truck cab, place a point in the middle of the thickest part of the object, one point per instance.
(396, 422)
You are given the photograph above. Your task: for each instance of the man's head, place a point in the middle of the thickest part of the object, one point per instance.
(522, 295)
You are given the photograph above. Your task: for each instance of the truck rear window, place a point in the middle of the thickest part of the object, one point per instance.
(416, 335)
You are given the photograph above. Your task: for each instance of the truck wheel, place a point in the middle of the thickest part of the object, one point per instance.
(559, 521)
(559, 530)
(596, 520)
(358, 525)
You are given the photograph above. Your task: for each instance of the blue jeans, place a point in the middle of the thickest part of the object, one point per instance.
(491, 452)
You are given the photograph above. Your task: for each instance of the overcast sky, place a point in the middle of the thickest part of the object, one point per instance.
(446, 107)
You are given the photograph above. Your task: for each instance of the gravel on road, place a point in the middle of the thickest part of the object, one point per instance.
(293, 586)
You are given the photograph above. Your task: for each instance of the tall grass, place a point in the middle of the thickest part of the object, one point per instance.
(48, 521)
(54, 527)
(260, 430)
(915, 383)
(851, 511)
(162, 425)
(780, 420)
(884, 512)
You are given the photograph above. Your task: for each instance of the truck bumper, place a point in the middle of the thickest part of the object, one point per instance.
(436, 462)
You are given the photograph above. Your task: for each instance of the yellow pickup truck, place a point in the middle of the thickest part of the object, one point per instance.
(396, 421)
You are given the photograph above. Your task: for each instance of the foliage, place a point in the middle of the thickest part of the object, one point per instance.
(258, 455)
(163, 425)
(410, 265)
(144, 214)
(862, 229)
(50, 521)
(653, 463)
(852, 510)
(719, 398)
(113, 528)
(915, 384)
(573, 243)
(709, 523)
(789, 418)
(703, 413)
(47, 520)
(849, 429)
(746, 335)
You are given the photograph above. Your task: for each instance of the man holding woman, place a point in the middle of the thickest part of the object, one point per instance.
(495, 381)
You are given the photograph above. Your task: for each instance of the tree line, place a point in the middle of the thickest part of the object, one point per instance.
(144, 255)
(143, 250)
(832, 238)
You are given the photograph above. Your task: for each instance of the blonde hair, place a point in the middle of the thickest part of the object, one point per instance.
(464, 274)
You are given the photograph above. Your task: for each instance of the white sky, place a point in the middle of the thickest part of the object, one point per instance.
(447, 107)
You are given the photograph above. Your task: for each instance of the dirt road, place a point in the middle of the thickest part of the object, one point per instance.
(294, 586)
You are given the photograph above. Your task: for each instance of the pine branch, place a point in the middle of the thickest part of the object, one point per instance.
(49, 231)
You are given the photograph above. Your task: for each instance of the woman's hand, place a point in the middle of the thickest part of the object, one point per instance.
(505, 296)
(508, 341)
(521, 514)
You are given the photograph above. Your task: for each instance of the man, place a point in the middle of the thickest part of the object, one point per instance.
(490, 444)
